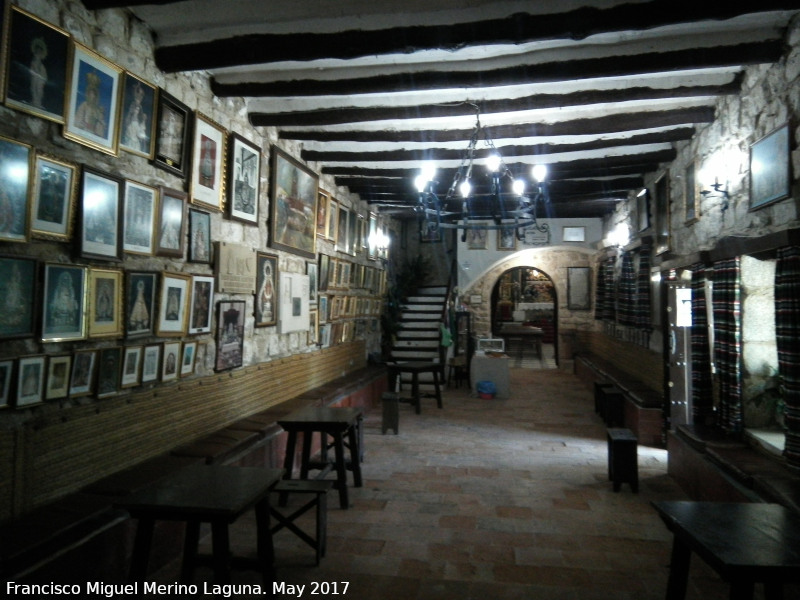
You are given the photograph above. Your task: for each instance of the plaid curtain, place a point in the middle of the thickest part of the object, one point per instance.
(604, 304)
(787, 328)
(702, 396)
(626, 292)
(726, 302)
(642, 316)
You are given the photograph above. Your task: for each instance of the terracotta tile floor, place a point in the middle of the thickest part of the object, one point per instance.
(492, 499)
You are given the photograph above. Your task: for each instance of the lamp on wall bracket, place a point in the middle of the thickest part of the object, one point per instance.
(718, 190)
(503, 204)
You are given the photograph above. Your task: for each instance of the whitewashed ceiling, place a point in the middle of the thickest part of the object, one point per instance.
(599, 90)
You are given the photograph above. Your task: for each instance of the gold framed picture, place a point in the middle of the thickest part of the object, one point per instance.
(105, 303)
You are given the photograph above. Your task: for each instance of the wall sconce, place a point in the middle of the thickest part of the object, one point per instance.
(718, 190)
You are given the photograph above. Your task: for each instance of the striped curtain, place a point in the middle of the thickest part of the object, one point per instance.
(726, 303)
(702, 395)
(787, 328)
(642, 316)
(626, 292)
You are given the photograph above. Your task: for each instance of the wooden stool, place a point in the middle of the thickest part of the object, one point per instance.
(391, 412)
(598, 399)
(623, 458)
(318, 489)
(612, 406)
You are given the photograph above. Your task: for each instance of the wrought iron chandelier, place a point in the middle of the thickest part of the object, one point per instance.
(497, 208)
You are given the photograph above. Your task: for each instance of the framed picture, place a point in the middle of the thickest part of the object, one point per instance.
(174, 304)
(173, 126)
(342, 231)
(691, 209)
(65, 303)
(266, 302)
(230, 334)
(171, 223)
(109, 367)
(429, 231)
(140, 303)
(140, 210)
(105, 303)
(57, 381)
(101, 226)
(324, 272)
(151, 363)
(643, 209)
(36, 71)
(578, 288)
(55, 186)
(322, 311)
(352, 233)
(476, 236)
(770, 179)
(84, 365)
(323, 203)
(333, 220)
(19, 313)
(372, 237)
(573, 234)
(507, 238)
(171, 364)
(662, 214)
(30, 380)
(199, 236)
(6, 372)
(244, 168)
(208, 163)
(202, 301)
(188, 358)
(131, 366)
(15, 168)
(93, 100)
(137, 128)
(293, 205)
(313, 282)
(313, 328)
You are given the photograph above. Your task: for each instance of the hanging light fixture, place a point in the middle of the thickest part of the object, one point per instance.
(464, 207)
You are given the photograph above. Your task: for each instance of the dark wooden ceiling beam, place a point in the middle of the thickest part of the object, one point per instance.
(578, 69)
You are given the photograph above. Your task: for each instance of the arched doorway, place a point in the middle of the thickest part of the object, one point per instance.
(526, 296)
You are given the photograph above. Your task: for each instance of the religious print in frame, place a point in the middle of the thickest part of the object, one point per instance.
(770, 179)
(174, 304)
(55, 187)
(293, 205)
(30, 380)
(131, 366)
(199, 236)
(6, 373)
(202, 304)
(101, 225)
(105, 303)
(140, 210)
(208, 163)
(171, 223)
(171, 362)
(323, 203)
(64, 302)
(266, 301)
(140, 303)
(15, 168)
(244, 168)
(477, 235)
(57, 380)
(137, 125)
(188, 358)
(230, 334)
(151, 363)
(333, 220)
(313, 281)
(173, 125)
(18, 306)
(109, 368)
(84, 365)
(93, 100)
(38, 59)
(342, 229)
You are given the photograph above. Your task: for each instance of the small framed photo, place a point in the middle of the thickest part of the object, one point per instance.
(19, 315)
(171, 363)
(108, 371)
(30, 381)
(507, 238)
(131, 366)
(140, 303)
(208, 163)
(105, 303)
(573, 234)
(188, 358)
(313, 328)
(770, 179)
(293, 205)
(93, 100)
(15, 186)
(313, 282)
(202, 303)
(140, 210)
(101, 226)
(323, 204)
(266, 301)
(36, 72)
(333, 220)
(84, 365)
(171, 223)
(342, 231)
(65, 302)
(230, 335)
(429, 231)
(476, 235)
(151, 363)
(199, 236)
(55, 186)
(6, 372)
(173, 125)
(244, 168)
(322, 304)
(137, 128)
(324, 272)
(58, 368)
(372, 237)
(174, 303)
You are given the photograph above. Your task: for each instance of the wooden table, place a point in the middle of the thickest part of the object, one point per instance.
(746, 543)
(205, 494)
(415, 368)
(526, 334)
(338, 422)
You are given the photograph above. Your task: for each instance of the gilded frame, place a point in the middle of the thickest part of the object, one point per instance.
(105, 303)
(293, 205)
(54, 197)
(209, 153)
(65, 299)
